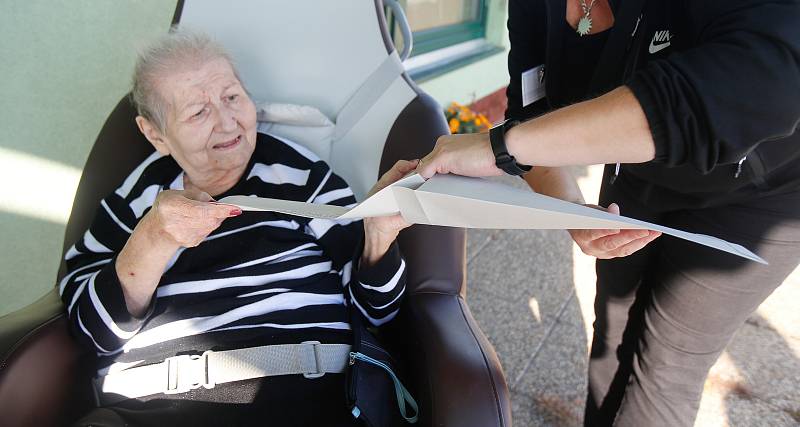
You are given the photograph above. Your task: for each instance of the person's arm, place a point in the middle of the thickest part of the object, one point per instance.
(737, 88)
(177, 219)
(141, 263)
(555, 182)
(704, 106)
(558, 181)
(113, 270)
(379, 279)
(90, 291)
(377, 289)
(608, 129)
(373, 277)
(601, 243)
(611, 128)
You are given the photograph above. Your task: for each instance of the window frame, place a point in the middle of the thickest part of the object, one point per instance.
(437, 38)
(440, 50)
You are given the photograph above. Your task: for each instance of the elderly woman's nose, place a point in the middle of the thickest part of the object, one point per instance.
(226, 120)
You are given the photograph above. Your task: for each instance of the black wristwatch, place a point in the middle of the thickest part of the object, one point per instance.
(503, 160)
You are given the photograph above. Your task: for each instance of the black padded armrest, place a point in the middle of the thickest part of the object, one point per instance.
(43, 378)
(456, 373)
(16, 325)
(454, 367)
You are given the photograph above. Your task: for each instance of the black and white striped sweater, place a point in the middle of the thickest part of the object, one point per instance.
(261, 278)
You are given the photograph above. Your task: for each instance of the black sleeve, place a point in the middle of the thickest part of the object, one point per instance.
(526, 32)
(377, 290)
(91, 290)
(738, 87)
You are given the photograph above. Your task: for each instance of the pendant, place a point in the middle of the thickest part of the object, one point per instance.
(584, 26)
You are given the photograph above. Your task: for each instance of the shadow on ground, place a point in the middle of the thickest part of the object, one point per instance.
(523, 291)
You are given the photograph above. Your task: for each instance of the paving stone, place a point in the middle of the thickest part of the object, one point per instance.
(769, 367)
(514, 300)
(557, 375)
(518, 264)
(755, 383)
(542, 411)
(780, 312)
(510, 326)
(743, 412)
(728, 400)
(477, 239)
(721, 410)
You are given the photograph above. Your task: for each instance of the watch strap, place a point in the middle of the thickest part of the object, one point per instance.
(502, 159)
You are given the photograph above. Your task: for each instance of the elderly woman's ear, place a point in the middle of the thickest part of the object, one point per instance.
(153, 134)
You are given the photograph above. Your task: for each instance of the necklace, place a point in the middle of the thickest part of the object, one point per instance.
(585, 24)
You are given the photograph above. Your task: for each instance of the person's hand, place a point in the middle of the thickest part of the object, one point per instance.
(177, 218)
(467, 154)
(612, 243)
(380, 232)
(187, 217)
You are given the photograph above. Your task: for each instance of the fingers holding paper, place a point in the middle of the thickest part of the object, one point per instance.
(467, 154)
(381, 231)
(612, 243)
(399, 170)
(187, 217)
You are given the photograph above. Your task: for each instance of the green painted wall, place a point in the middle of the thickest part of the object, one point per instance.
(64, 66)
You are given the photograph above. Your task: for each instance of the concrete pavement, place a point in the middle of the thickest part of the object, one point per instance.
(532, 293)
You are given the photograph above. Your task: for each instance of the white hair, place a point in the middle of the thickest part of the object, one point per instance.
(174, 52)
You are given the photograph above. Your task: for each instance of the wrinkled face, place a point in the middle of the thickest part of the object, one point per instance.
(210, 125)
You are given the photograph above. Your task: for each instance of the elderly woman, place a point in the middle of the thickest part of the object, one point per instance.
(165, 270)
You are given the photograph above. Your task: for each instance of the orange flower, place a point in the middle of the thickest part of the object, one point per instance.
(454, 123)
(466, 116)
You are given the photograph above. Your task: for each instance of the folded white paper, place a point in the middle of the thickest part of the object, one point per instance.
(458, 201)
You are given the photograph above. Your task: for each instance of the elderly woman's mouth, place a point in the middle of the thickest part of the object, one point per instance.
(228, 144)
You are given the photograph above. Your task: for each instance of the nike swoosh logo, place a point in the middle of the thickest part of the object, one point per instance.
(657, 47)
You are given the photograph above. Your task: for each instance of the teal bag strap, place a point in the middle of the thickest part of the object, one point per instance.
(402, 393)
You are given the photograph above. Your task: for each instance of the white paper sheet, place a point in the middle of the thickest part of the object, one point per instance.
(458, 201)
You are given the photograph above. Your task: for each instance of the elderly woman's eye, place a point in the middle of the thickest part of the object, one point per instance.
(233, 98)
(199, 113)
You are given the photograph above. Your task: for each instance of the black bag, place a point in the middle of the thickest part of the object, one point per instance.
(374, 393)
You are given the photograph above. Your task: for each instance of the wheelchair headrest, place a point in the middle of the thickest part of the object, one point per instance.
(298, 51)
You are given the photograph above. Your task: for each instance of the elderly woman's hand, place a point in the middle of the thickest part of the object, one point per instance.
(177, 218)
(612, 243)
(187, 217)
(380, 232)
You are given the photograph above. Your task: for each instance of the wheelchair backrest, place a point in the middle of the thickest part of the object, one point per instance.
(332, 55)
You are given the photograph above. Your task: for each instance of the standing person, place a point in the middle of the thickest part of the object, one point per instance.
(698, 104)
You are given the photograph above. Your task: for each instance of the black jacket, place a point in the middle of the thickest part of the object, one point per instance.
(722, 84)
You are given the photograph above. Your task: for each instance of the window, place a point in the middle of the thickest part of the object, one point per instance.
(447, 34)
(441, 23)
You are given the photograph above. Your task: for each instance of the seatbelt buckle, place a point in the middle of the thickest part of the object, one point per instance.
(187, 372)
(309, 359)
